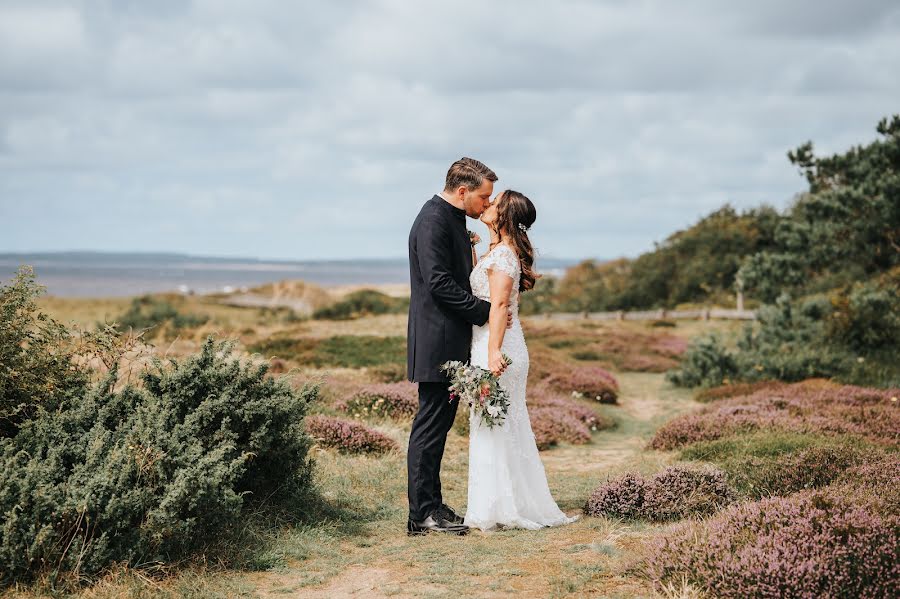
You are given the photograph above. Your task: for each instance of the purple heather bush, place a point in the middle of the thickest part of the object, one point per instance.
(591, 382)
(832, 542)
(393, 400)
(674, 493)
(709, 394)
(545, 434)
(879, 478)
(559, 426)
(669, 345)
(678, 492)
(348, 436)
(622, 497)
(809, 468)
(544, 397)
(846, 409)
(556, 418)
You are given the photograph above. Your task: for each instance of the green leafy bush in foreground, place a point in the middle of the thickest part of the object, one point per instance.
(149, 474)
(142, 474)
(36, 356)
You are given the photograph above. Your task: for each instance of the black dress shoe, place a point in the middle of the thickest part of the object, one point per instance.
(435, 523)
(449, 515)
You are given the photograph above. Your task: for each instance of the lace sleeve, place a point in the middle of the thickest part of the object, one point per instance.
(504, 259)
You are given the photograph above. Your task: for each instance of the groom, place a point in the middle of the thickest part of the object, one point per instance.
(442, 311)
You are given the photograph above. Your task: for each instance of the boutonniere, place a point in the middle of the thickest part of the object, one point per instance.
(474, 239)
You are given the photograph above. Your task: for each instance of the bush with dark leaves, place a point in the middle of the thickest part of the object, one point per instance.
(150, 473)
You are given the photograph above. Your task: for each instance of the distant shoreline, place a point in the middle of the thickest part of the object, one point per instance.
(102, 274)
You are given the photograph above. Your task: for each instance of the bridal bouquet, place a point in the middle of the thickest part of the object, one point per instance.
(480, 389)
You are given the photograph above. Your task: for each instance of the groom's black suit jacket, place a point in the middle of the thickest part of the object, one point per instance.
(442, 308)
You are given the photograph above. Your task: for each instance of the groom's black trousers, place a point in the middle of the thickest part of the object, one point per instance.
(426, 448)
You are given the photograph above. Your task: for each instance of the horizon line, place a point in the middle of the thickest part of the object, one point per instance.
(160, 253)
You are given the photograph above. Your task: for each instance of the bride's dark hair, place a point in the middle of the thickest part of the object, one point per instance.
(515, 214)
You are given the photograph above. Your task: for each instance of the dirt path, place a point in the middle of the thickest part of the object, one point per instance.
(575, 560)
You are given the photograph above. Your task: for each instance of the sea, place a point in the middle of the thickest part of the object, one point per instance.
(103, 274)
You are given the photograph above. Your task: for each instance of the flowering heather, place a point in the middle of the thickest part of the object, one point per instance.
(591, 382)
(878, 478)
(678, 492)
(821, 543)
(544, 397)
(846, 409)
(348, 436)
(559, 425)
(735, 389)
(546, 434)
(674, 493)
(622, 497)
(393, 400)
(808, 468)
(669, 345)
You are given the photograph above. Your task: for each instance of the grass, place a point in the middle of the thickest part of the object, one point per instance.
(358, 544)
(346, 351)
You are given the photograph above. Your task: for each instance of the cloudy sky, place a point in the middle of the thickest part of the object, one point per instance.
(306, 130)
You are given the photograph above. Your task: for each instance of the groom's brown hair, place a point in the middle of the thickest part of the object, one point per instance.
(468, 172)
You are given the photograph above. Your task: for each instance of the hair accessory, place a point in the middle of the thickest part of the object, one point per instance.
(523, 227)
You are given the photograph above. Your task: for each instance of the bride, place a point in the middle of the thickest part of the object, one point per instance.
(507, 482)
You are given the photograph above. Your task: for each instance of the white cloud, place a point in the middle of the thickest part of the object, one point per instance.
(317, 130)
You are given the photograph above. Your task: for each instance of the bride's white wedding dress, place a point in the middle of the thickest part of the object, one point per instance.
(507, 482)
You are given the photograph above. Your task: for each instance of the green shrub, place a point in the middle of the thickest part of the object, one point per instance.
(789, 343)
(151, 473)
(706, 363)
(365, 302)
(866, 316)
(37, 356)
(149, 312)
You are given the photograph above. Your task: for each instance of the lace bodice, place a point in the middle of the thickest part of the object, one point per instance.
(505, 259)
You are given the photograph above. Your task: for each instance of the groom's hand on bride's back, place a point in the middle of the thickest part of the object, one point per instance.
(509, 318)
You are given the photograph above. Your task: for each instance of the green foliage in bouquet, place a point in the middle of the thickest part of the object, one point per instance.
(480, 390)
